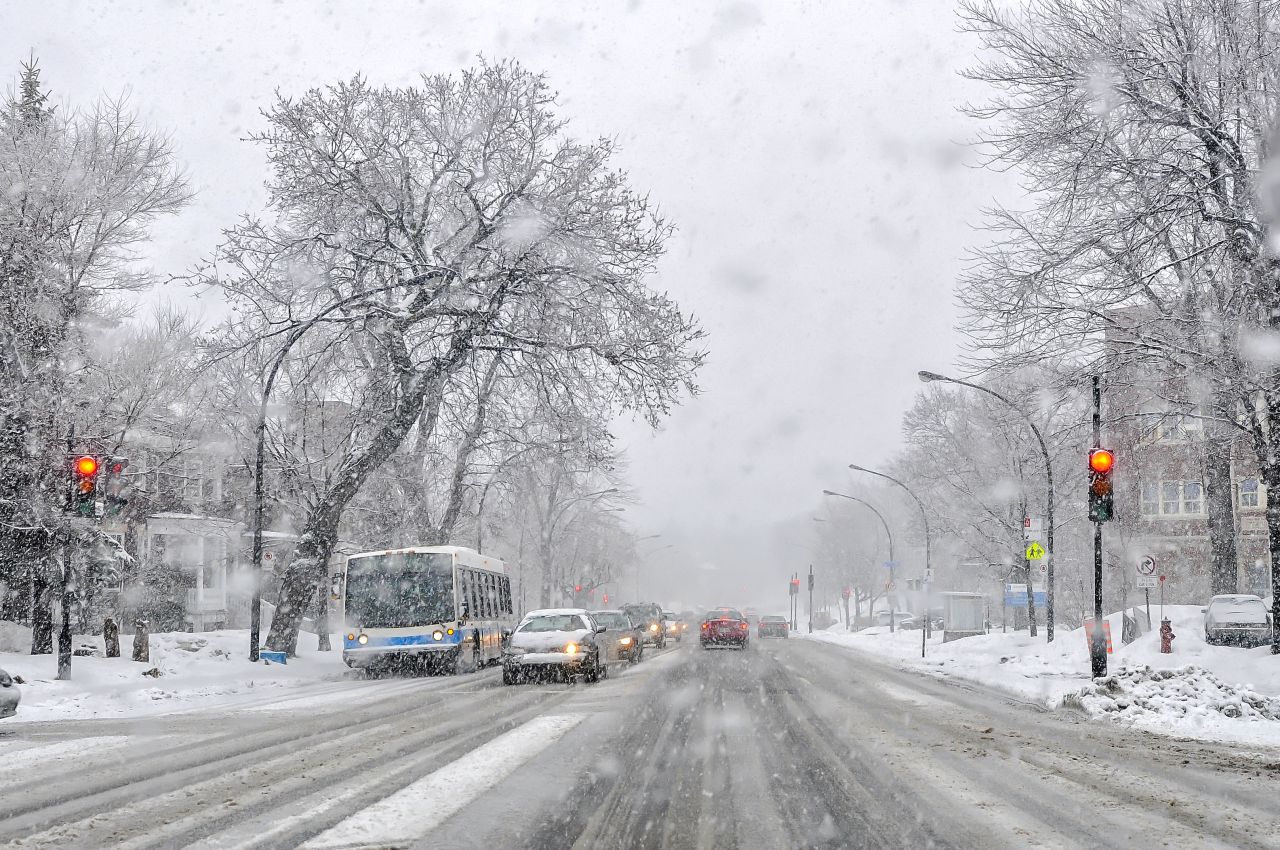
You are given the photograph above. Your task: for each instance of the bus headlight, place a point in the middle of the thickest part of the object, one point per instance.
(363, 639)
(351, 636)
(437, 635)
(570, 648)
(450, 632)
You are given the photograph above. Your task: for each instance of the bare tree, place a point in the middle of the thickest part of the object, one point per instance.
(414, 227)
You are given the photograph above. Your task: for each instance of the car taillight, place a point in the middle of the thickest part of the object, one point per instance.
(746, 626)
(704, 627)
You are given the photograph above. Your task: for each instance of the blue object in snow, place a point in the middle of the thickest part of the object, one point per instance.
(274, 657)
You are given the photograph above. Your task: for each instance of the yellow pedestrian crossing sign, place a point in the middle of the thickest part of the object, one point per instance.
(1035, 551)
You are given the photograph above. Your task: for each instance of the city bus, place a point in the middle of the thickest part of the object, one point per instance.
(439, 608)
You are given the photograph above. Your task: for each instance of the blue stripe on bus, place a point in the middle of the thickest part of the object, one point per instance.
(404, 640)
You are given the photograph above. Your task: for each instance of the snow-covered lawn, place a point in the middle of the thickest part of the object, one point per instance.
(1214, 692)
(186, 672)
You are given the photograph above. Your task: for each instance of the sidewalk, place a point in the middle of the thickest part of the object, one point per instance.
(1213, 692)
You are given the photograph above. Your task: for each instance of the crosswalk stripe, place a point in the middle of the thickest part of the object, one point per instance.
(416, 809)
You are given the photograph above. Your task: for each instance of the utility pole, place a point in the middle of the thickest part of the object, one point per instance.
(811, 599)
(1097, 640)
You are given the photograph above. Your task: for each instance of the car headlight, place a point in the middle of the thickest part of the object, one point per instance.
(625, 641)
(363, 639)
(570, 648)
(653, 628)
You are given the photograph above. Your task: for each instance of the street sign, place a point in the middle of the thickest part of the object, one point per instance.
(846, 592)
(888, 585)
(1032, 527)
(1147, 581)
(1015, 588)
(1147, 567)
(1035, 551)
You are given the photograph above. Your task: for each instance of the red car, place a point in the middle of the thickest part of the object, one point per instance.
(772, 625)
(725, 627)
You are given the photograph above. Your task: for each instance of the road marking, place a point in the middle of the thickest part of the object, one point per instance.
(416, 809)
(22, 756)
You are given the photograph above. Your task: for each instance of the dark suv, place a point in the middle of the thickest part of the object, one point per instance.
(648, 616)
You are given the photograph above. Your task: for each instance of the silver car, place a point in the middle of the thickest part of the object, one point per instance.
(1238, 619)
(555, 643)
(10, 696)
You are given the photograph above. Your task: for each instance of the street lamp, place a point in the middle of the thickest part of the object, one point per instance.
(928, 561)
(928, 377)
(888, 534)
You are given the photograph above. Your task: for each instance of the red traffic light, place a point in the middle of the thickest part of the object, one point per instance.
(86, 466)
(577, 588)
(1101, 461)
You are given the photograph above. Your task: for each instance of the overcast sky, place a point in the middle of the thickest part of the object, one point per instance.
(807, 151)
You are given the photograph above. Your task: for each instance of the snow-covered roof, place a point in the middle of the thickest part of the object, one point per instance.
(555, 612)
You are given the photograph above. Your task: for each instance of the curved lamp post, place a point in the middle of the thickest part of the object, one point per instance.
(928, 561)
(928, 377)
(887, 533)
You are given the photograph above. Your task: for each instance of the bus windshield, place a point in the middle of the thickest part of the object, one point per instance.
(400, 590)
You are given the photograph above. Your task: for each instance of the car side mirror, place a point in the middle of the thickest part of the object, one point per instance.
(600, 630)
(1204, 610)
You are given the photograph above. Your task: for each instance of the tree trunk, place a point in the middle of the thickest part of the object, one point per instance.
(1219, 505)
(466, 448)
(42, 594)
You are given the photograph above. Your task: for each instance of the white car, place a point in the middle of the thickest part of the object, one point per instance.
(1239, 619)
(10, 695)
(555, 642)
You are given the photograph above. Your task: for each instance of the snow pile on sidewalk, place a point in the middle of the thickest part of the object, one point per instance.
(186, 672)
(1198, 691)
(1141, 692)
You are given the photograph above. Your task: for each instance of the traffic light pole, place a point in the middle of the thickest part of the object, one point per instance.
(1098, 639)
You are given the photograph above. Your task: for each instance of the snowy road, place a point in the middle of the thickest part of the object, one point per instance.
(790, 744)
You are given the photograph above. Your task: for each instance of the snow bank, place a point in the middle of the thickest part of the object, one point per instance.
(1199, 691)
(186, 672)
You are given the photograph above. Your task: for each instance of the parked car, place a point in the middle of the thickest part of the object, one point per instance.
(901, 619)
(1238, 619)
(554, 643)
(622, 639)
(10, 696)
(772, 625)
(725, 627)
(648, 615)
(672, 625)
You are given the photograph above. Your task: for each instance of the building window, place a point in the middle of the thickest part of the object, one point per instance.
(1248, 492)
(1192, 501)
(1179, 427)
(1150, 499)
(1173, 498)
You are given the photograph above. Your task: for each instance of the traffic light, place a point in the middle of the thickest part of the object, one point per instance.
(114, 485)
(606, 599)
(84, 484)
(795, 586)
(1101, 504)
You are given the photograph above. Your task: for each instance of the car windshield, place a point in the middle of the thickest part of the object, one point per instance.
(553, 623)
(365, 366)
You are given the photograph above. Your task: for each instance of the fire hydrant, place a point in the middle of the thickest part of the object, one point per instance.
(1166, 636)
